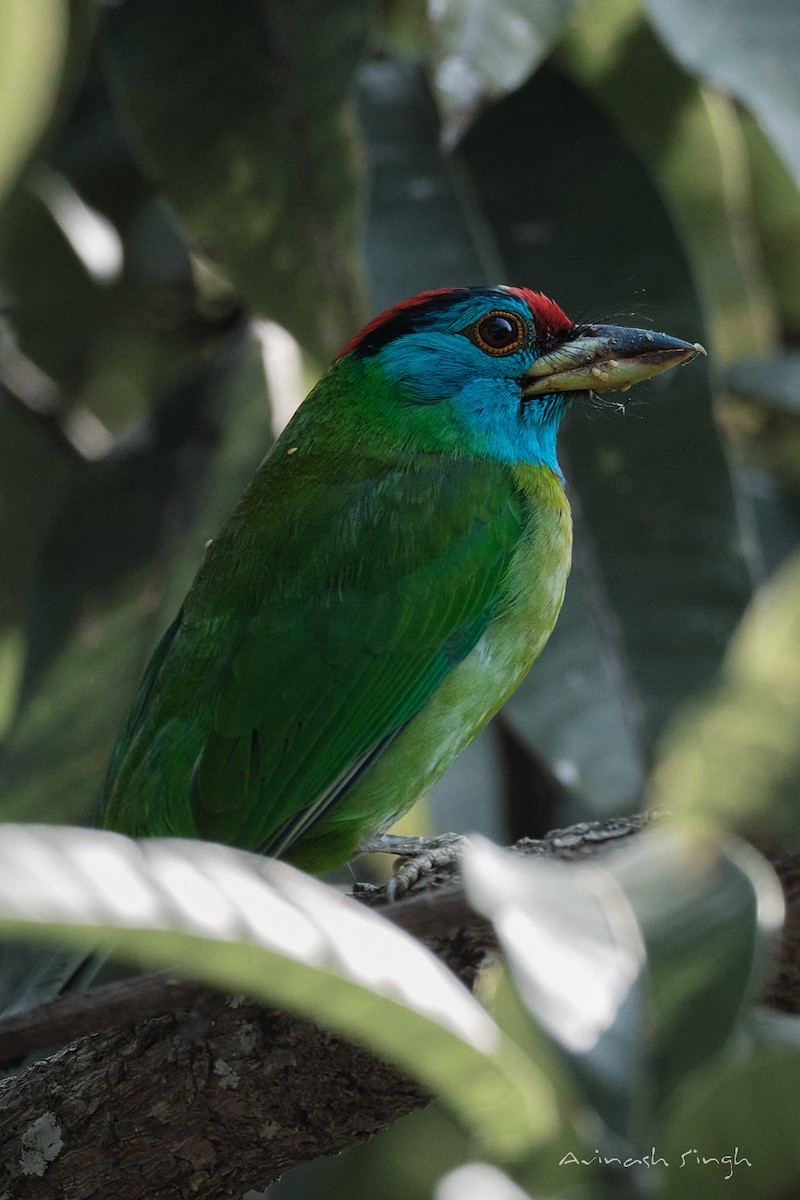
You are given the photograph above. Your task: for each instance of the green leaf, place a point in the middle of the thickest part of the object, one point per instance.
(480, 50)
(776, 211)
(761, 415)
(574, 951)
(637, 965)
(104, 547)
(34, 36)
(744, 1115)
(734, 756)
(54, 304)
(771, 1029)
(257, 926)
(709, 915)
(747, 51)
(774, 381)
(240, 116)
(676, 124)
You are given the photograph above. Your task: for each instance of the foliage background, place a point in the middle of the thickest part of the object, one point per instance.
(200, 202)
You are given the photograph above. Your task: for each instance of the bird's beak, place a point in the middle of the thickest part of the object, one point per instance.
(605, 358)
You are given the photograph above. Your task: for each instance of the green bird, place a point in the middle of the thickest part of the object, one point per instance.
(383, 585)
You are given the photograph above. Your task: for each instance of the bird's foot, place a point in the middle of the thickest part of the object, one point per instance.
(418, 858)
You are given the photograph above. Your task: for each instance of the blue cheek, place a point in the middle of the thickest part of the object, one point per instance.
(486, 407)
(491, 412)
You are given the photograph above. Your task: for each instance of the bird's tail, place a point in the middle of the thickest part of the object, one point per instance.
(30, 975)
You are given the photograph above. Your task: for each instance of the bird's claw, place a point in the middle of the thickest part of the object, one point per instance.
(431, 855)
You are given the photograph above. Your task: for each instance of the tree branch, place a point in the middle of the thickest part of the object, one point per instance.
(212, 1100)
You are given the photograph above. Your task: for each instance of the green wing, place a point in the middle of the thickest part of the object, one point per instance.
(336, 599)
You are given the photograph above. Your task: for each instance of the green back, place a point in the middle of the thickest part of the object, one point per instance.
(337, 597)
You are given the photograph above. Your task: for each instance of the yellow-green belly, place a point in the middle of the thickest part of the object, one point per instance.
(473, 691)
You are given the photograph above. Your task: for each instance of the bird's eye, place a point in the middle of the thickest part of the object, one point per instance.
(499, 333)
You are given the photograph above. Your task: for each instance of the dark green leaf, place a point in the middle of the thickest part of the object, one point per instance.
(744, 1116)
(734, 756)
(751, 52)
(690, 139)
(761, 414)
(664, 566)
(637, 965)
(118, 550)
(774, 381)
(239, 114)
(54, 303)
(709, 918)
(480, 50)
(776, 214)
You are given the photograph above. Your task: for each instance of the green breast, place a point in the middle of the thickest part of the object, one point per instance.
(472, 693)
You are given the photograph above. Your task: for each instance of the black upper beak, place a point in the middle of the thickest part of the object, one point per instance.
(604, 358)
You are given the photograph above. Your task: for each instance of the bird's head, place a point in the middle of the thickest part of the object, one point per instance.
(493, 370)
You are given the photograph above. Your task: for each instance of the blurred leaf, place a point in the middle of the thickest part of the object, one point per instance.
(32, 470)
(254, 925)
(12, 664)
(747, 51)
(569, 938)
(91, 151)
(774, 381)
(33, 49)
(747, 1112)
(478, 1181)
(407, 1159)
(417, 233)
(709, 916)
(239, 115)
(575, 953)
(776, 210)
(99, 279)
(658, 561)
(482, 49)
(770, 1029)
(761, 416)
(637, 965)
(677, 125)
(403, 26)
(55, 304)
(734, 756)
(122, 539)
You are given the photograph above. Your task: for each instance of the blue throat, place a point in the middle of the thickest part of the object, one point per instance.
(483, 395)
(508, 428)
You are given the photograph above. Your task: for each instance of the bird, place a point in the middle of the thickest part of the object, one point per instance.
(384, 583)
